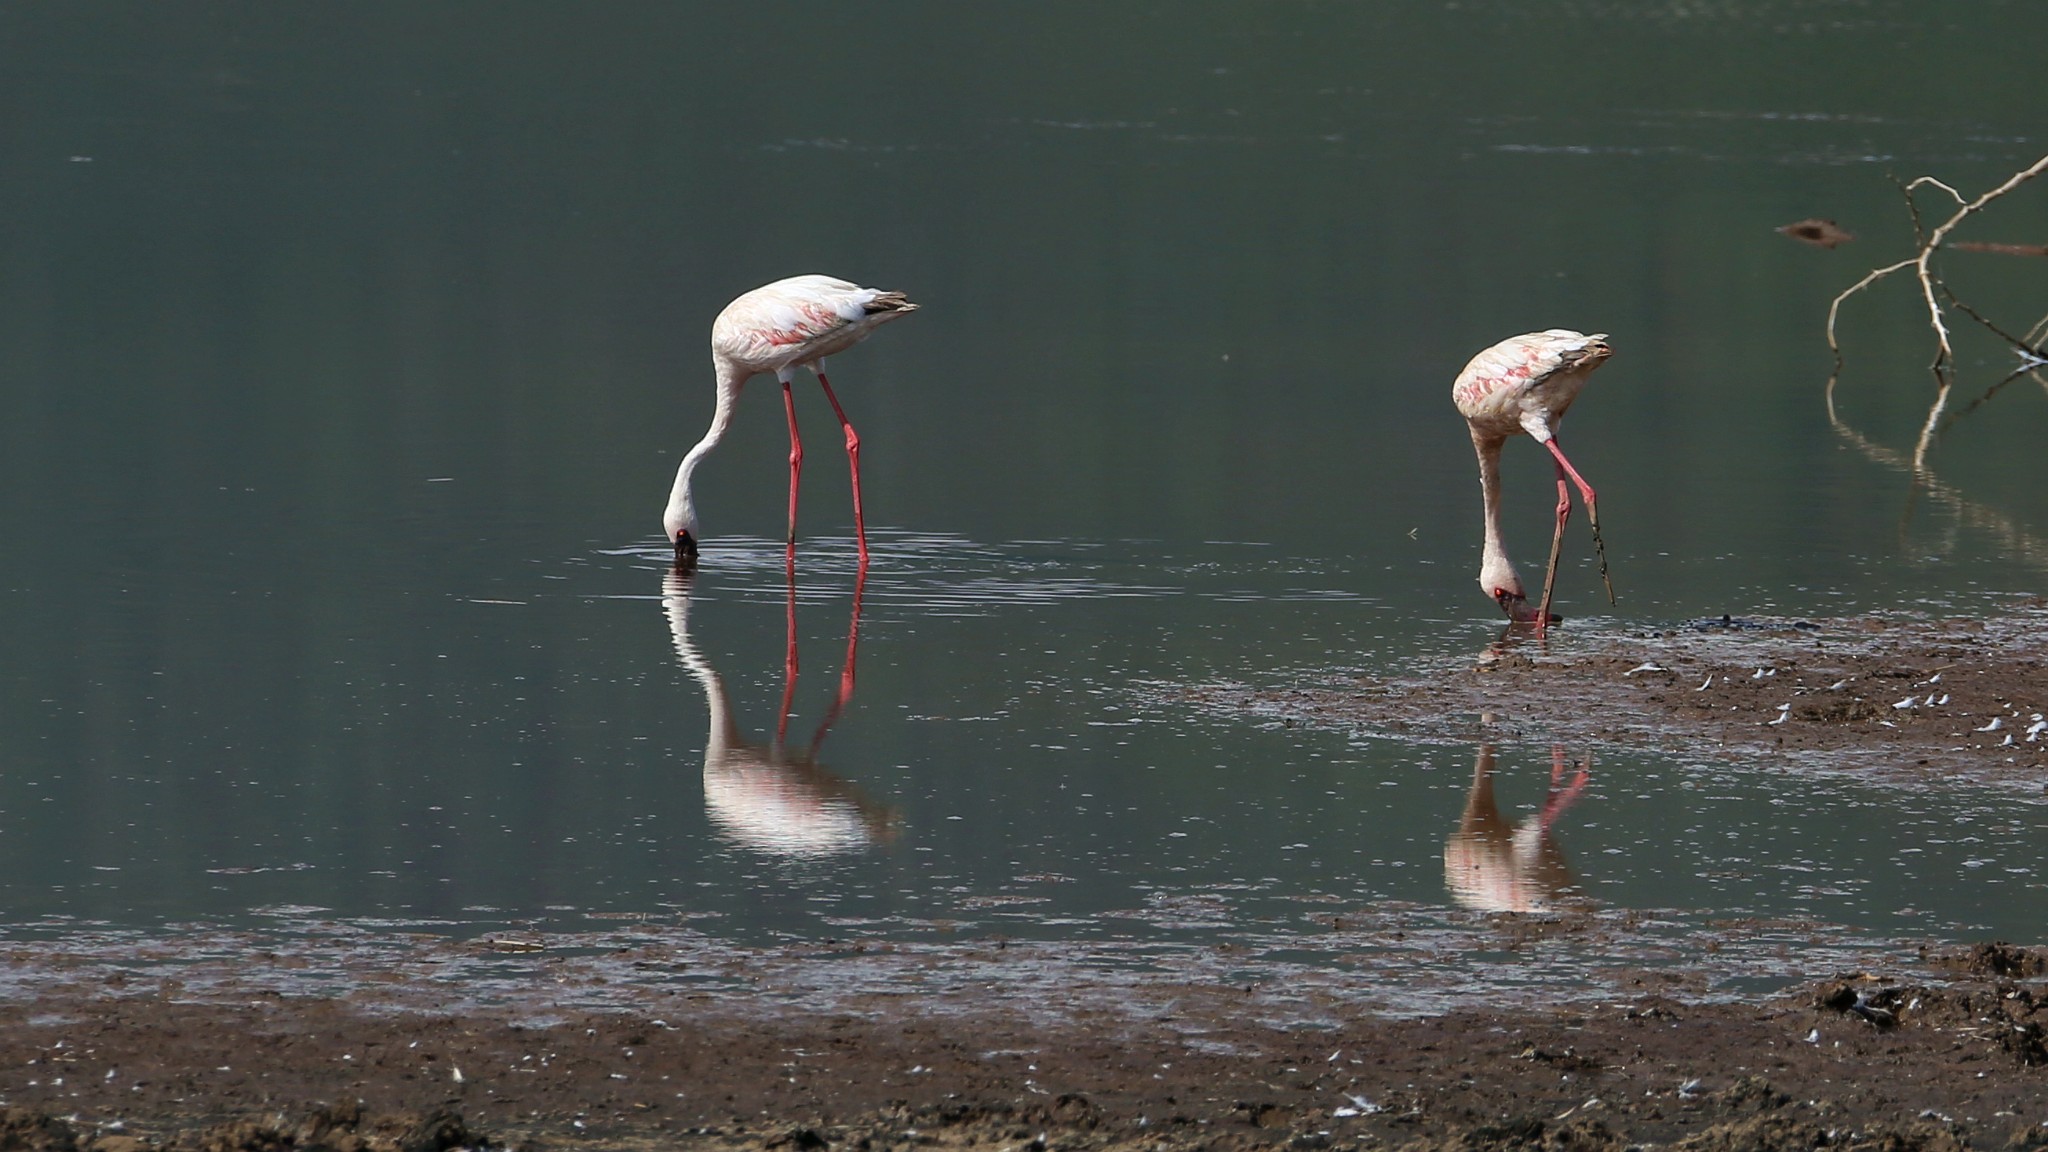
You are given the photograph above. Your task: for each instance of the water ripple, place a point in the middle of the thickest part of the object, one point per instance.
(940, 574)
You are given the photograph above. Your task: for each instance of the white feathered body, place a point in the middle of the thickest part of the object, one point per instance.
(1522, 384)
(1525, 383)
(798, 322)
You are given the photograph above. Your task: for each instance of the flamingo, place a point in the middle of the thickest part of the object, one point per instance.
(780, 327)
(1524, 384)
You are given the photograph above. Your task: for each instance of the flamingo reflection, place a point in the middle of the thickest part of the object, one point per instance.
(1495, 866)
(772, 797)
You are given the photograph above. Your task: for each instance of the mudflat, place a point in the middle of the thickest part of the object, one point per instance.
(219, 1041)
(1906, 698)
(1949, 1055)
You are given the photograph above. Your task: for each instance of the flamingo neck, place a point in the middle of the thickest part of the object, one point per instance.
(681, 514)
(1496, 571)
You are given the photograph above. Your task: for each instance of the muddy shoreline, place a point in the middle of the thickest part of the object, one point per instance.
(1946, 1056)
(330, 1038)
(1898, 698)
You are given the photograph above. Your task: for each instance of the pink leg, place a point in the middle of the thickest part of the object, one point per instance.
(1592, 508)
(796, 459)
(860, 528)
(1564, 514)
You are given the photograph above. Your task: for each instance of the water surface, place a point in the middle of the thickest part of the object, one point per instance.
(348, 355)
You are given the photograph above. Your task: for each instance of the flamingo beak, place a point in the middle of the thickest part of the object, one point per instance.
(686, 549)
(1517, 608)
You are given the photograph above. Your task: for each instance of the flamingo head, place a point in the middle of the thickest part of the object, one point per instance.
(681, 530)
(1498, 577)
(1505, 587)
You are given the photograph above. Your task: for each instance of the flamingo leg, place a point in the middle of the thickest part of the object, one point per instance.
(796, 461)
(860, 528)
(1564, 514)
(1592, 509)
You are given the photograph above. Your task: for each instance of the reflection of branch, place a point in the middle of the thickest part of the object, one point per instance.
(1921, 263)
(1968, 513)
(1994, 390)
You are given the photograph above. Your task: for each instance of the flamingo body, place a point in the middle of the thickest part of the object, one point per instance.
(780, 327)
(797, 322)
(1525, 384)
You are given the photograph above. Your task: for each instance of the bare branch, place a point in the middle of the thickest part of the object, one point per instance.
(1860, 285)
(2019, 344)
(1922, 264)
(1919, 180)
(1913, 210)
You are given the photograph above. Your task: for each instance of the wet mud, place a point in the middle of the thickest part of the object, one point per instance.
(1945, 1053)
(1897, 697)
(652, 1037)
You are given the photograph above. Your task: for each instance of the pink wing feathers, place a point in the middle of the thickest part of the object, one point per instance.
(1495, 379)
(801, 318)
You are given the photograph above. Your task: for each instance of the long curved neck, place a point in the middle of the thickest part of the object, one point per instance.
(682, 511)
(1496, 555)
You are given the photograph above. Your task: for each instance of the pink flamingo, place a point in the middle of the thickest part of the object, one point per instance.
(780, 327)
(1524, 384)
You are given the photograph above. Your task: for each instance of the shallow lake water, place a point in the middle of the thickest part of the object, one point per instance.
(348, 356)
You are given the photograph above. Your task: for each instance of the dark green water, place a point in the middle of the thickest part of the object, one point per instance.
(347, 354)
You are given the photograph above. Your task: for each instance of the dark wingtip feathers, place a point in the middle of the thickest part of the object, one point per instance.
(890, 302)
(1596, 350)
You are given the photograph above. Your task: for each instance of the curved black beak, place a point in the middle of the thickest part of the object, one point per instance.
(686, 550)
(1518, 610)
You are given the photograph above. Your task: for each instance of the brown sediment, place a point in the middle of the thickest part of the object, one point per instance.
(1945, 1057)
(1896, 697)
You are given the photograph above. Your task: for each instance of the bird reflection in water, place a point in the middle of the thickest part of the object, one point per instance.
(772, 797)
(1495, 866)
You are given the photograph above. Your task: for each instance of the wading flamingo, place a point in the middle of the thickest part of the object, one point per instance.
(1524, 384)
(780, 327)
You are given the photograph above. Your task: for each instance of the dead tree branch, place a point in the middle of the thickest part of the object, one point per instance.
(1931, 286)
